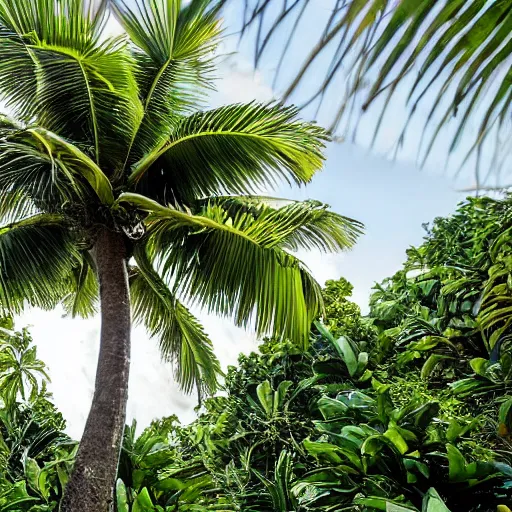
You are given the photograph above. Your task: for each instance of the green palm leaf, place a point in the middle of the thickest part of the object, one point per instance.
(288, 224)
(56, 69)
(235, 149)
(16, 205)
(181, 337)
(232, 268)
(83, 297)
(37, 255)
(40, 162)
(463, 49)
(450, 56)
(175, 45)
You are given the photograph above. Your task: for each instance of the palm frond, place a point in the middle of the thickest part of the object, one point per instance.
(57, 70)
(175, 45)
(83, 298)
(42, 164)
(451, 54)
(287, 224)
(462, 50)
(68, 23)
(232, 270)
(16, 205)
(233, 149)
(37, 254)
(182, 339)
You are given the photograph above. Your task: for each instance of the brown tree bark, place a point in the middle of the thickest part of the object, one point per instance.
(91, 486)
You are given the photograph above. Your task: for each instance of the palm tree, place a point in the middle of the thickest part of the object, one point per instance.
(450, 59)
(115, 188)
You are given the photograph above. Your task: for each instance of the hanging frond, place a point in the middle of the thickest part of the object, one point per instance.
(175, 45)
(42, 164)
(292, 225)
(57, 71)
(37, 254)
(182, 339)
(451, 54)
(83, 298)
(233, 270)
(235, 149)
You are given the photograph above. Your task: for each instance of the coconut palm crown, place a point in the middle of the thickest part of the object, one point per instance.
(118, 193)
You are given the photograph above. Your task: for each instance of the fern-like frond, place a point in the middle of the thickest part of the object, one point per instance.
(181, 337)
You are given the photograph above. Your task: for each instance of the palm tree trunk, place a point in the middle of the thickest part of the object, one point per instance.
(91, 486)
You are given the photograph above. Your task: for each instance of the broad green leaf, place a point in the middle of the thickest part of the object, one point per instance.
(280, 395)
(122, 499)
(331, 408)
(32, 472)
(431, 364)
(143, 502)
(465, 386)
(394, 436)
(456, 464)
(432, 502)
(479, 365)
(505, 418)
(266, 397)
(348, 355)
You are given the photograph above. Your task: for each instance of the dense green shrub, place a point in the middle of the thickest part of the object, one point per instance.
(36, 456)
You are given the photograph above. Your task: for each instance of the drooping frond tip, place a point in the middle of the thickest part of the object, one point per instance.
(232, 258)
(452, 57)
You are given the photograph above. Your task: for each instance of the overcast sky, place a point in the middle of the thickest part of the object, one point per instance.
(393, 199)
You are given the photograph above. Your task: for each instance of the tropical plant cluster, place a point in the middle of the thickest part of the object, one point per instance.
(408, 408)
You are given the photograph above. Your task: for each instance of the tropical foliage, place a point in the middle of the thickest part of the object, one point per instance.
(414, 414)
(407, 409)
(59, 178)
(36, 456)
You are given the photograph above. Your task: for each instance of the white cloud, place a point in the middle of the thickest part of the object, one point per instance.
(240, 83)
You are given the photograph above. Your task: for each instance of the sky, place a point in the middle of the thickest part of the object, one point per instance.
(393, 199)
